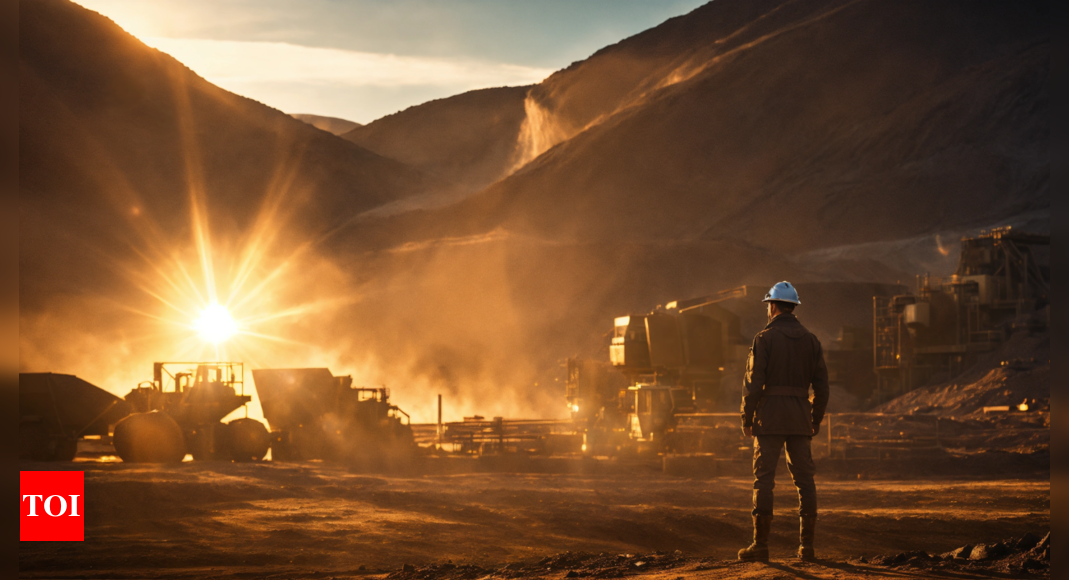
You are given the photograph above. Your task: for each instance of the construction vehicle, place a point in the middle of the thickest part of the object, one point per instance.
(937, 332)
(671, 362)
(316, 415)
(56, 411)
(180, 411)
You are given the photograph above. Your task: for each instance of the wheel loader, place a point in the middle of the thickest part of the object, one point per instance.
(180, 411)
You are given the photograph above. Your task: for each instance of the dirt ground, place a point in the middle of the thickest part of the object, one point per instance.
(314, 520)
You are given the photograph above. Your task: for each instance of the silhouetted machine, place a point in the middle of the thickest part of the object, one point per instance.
(1002, 278)
(181, 410)
(670, 362)
(316, 415)
(57, 410)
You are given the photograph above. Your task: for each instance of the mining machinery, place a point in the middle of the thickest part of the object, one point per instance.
(56, 411)
(664, 366)
(1002, 280)
(316, 415)
(180, 411)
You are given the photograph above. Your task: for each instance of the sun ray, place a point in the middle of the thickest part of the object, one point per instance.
(274, 338)
(183, 266)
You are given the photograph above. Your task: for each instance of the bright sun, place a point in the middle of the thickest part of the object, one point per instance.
(215, 324)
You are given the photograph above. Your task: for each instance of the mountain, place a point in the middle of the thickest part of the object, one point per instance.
(120, 136)
(332, 125)
(864, 121)
(758, 121)
(743, 143)
(740, 144)
(468, 140)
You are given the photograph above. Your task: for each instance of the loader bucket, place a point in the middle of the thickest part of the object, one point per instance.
(294, 397)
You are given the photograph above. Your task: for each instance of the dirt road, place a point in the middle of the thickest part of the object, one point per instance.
(315, 520)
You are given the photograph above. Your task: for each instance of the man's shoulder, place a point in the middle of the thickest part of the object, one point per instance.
(787, 325)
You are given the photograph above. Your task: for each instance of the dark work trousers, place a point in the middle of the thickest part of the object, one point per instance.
(799, 463)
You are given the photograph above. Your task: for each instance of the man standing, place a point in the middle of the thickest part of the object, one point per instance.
(785, 361)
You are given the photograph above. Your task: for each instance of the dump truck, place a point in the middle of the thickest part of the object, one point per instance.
(316, 415)
(180, 411)
(57, 410)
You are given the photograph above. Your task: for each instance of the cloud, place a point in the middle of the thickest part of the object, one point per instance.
(283, 75)
(241, 61)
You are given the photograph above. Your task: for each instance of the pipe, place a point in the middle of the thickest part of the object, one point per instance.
(439, 420)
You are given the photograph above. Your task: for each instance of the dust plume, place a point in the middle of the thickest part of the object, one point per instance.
(539, 132)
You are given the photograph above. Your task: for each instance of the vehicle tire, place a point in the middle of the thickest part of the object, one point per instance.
(247, 439)
(152, 437)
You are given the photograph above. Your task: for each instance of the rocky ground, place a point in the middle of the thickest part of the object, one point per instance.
(222, 520)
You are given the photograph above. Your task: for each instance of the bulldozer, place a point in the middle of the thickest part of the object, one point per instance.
(181, 410)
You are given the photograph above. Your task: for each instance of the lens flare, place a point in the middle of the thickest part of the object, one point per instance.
(215, 324)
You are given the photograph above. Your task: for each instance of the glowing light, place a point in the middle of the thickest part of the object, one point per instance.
(575, 408)
(215, 324)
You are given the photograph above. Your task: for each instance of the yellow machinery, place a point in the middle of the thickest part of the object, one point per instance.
(316, 415)
(664, 364)
(181, 410)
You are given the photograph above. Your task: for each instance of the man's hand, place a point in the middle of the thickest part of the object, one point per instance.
(747, 431)
(816, 429)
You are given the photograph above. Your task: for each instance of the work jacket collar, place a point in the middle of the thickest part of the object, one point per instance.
(788, 324)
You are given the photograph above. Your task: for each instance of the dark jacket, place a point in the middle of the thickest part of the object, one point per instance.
(785, 361)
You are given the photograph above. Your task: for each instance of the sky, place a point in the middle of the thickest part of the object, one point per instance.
(364, 59)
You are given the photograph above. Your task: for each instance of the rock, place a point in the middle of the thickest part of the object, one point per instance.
(1027, 542)
(1031, 564)
(961, 553)
(989, 551)
(1042, 549)
(913, 557)
(408, 568)
(572, 574)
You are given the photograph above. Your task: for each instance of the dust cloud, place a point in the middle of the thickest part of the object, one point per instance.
(439, 321)
(539, 132)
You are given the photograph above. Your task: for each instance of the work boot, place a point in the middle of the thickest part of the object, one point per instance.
(758, 550)
(806, 533)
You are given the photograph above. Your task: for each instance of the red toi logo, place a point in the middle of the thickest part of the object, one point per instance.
(52, 506)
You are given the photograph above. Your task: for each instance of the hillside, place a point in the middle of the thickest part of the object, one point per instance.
(468, 140)
(332, 125)
(117, 144)
(937, 120)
